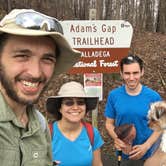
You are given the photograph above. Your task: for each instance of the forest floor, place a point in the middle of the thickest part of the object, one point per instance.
(151, 47)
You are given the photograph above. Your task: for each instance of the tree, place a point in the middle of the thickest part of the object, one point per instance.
(161, 19)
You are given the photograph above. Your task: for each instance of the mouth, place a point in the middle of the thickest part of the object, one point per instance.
(74, 113)
(30, 84)
(131, 84)
(29, 87)
(154, 127)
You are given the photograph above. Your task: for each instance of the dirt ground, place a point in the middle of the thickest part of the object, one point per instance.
(151, 47)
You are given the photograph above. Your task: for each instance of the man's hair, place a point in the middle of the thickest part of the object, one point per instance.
(3, 37)
(131, 59)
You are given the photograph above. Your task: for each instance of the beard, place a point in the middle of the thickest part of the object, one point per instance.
(8, 86)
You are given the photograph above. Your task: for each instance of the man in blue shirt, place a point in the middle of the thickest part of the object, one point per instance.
(129, 104)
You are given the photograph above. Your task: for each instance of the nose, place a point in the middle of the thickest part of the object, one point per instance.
(34, 69)
(131, 76)
(75, 105)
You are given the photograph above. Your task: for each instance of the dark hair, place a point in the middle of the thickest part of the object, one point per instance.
(52, 106)
(3, 39)
(131, 59)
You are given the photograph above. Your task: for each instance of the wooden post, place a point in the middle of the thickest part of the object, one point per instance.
(92, 16)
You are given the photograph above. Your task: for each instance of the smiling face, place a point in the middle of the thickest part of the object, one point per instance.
(73, 109)
(132, 74)
(26, 66)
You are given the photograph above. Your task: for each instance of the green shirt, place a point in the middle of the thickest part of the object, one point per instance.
(20, 146)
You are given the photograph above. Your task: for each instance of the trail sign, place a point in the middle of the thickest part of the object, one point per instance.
(103, 43)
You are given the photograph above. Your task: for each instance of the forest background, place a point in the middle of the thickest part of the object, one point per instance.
(148, 18)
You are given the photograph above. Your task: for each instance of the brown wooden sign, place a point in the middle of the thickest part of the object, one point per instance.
(99, 60)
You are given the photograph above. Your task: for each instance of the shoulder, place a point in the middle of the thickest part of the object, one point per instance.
(151, 93)
(40, 115)
(98, 140)
(55, 124)
(117, 90)
(96, 131)
(116, 93)
(41, 119)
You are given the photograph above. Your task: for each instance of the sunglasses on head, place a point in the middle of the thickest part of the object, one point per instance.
(35, 20)
(71, 101)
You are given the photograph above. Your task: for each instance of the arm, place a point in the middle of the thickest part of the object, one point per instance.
(110, 127)
(97, 158)
(119, 144)
(139, 150)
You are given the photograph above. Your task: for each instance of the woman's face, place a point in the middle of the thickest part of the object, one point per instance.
(73, 109)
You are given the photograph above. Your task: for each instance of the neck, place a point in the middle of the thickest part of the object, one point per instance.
(18, 109)
(70, 130)
(68, 126)
(134, 92)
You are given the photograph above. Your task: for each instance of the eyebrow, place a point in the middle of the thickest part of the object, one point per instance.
(22, 51)
(50, 55)
(127, 72)
(29, 51)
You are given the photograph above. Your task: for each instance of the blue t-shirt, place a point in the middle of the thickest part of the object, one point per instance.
(127, 109)
(74, 153)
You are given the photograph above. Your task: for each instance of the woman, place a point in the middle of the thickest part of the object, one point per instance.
(71, 145)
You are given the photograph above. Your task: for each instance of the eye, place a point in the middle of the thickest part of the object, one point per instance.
(21, 57)
(81, 102)
(49, 58)
(135, 73)
(152, 119)
(68, 102)
(159, 113)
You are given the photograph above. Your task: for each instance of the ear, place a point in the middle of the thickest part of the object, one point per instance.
(121, 74)
(142, 72)
(159, 113)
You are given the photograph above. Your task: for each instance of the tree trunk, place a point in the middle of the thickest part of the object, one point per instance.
(161, 19)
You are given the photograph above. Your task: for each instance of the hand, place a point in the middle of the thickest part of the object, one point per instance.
(137, 152)
(119, 144)
(56, 163)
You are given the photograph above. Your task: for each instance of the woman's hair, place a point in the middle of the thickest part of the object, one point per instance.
(131, 59)
(56, 106)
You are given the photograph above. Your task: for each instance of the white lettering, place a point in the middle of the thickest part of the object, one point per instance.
(108, 64)
(83, 64)
(96, 54)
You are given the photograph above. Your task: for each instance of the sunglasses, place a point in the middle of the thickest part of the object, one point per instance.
(71, 102)
(35, 20)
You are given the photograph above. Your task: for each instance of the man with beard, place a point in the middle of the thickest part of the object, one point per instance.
(32, 50)
(129, 104)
